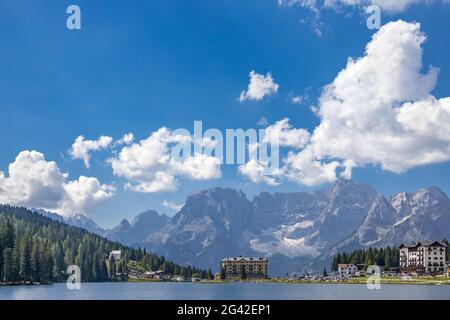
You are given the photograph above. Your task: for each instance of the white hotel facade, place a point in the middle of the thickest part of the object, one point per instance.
(423, 257)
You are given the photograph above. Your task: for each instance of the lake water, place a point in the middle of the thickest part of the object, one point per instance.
(237, 291)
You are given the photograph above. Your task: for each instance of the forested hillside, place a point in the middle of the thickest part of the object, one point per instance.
(37, 249)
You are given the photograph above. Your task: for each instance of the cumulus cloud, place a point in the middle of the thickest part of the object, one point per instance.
(84, 195)
(32, 181)
(379, 111)
(282, 133)
(377, 108)
(296, 99)
(149, 166)
(259, 87)
(172, 205)
(125, 140)
(81, 149)
(256, 171)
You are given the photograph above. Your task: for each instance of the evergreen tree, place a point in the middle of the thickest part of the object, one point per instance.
(35, 263)
(25, 260)
(111, 268)
(103, 275)
(8, 275)
(223, 274)
(58, 259)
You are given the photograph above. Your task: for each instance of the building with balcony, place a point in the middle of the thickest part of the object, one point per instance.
(238, 268)
(347, 269)
(423, 257)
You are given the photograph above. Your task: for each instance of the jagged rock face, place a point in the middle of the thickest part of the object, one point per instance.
(78, 220)
(142, 226)
(295, 230)
(427, 217)
(212, 224)
(378, 222)
(284, 208)
(405, 217)
(347, 204)
(302, 226)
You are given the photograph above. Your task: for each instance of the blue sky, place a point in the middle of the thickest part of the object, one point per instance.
(138, 66)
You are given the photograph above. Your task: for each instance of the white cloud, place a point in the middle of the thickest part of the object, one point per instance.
(259, 87)
(306, 169)
(148, 166)
(280, 134)
(285, 135)
(296, 99)
(390, 6)
(256, 171)
(172, 205)
(82, 148)
(33, 181)
(378, 111)
(84, 195)
(127, 139)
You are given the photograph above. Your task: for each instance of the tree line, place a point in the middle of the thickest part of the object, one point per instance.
(37, 249)
(387, 257)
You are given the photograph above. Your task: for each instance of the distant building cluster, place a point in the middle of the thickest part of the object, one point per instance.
(238, 268)
(423, 257)
(427, 257)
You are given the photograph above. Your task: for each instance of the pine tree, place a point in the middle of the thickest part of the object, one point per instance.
(35, 263)
(223, 274)
(210, 274)
(58, 259)
(7, 265)
(103, 270)
(25, 260)
(111, 268)
(96, 267)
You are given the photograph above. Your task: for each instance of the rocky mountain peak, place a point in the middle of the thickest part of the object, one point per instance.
(150, 217)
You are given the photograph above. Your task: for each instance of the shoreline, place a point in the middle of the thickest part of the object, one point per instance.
(358, 281)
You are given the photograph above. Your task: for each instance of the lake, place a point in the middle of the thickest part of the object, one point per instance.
(233, 291)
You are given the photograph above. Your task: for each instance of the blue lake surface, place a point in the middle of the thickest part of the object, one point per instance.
(238, 291)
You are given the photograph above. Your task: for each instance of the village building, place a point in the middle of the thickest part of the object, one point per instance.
(237, 268)
(423, 257)
(348, 269)
(116, 254)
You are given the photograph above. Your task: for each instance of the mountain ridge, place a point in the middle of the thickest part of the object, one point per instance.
(298, 231)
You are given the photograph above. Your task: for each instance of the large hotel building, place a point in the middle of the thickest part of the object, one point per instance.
(423, 257)
(255, 268)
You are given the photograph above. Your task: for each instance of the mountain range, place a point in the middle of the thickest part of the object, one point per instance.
(298, 231)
